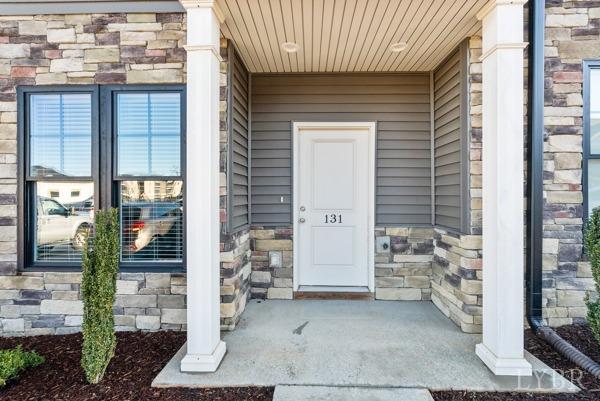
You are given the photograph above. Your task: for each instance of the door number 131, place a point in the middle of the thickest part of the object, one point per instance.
(333, 218)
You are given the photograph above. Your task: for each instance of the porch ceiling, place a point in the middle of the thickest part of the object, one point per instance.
(347, 35)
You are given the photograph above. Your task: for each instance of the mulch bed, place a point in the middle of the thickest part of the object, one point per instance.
(139, 358)
(581, 337)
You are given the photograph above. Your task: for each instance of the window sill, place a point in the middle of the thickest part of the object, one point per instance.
(122, 269)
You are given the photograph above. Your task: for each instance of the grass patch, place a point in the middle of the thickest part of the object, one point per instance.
(14, 361)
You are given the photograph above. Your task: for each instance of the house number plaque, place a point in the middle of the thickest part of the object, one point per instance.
(333, 218)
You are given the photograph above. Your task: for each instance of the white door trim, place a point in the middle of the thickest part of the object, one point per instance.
(371, 127)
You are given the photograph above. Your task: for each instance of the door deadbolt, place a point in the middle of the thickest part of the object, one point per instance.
(302, 208)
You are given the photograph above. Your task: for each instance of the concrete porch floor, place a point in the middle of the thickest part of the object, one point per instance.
(354, 343)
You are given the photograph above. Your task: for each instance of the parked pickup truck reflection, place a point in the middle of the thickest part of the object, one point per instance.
(153, 228)
(58, 225)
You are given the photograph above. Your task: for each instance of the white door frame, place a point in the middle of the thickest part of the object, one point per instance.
(371, 127)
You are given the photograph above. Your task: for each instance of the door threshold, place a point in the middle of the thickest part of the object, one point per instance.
(331, 288)
(333, 292)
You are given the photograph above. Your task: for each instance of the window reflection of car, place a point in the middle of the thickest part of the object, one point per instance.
(152, 227)
(57, 225)
(84, 207)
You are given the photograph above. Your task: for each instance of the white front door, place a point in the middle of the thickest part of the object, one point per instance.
(332, 206)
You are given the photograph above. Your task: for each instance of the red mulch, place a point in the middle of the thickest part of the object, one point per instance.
(139, 358)
(579, 336)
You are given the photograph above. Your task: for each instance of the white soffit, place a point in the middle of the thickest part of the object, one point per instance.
(348, 35)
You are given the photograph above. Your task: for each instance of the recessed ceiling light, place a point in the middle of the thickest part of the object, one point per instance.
(289, 47)
(397, 47)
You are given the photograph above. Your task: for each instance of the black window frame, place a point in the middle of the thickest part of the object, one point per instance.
(104, 173)
(588, 66)
(111, 181)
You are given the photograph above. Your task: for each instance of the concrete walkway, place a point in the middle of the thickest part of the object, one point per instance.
(354, 343)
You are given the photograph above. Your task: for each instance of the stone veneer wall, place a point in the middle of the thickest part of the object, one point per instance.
(271, 280)
(572, 35)
(402, 270)
(456, 283)
(457, 260)
(147, 48)
(98, 49)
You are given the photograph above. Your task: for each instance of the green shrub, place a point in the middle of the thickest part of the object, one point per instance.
(98, 287)
(592, 249)
(14, 361)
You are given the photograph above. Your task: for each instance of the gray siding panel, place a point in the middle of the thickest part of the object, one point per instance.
(399, 103)
(238, 210)
(451, 142)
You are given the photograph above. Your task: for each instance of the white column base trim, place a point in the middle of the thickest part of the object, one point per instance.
(204, 363)
(503, 366)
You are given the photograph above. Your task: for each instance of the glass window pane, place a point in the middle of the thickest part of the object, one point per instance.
(149, 134)
(593, 184)
(595, 111)
(64, 213)
(152, 221)
(60, 135)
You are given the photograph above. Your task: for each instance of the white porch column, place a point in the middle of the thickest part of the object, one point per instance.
(503, 219)
(205, 350)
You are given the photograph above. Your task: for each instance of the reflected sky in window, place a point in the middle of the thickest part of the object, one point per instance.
(595, 111)
(60, 135)
(149, 134)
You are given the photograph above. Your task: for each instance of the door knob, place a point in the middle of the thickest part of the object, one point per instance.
(302, 220)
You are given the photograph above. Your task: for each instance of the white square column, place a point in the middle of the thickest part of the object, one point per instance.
(205, 350)
(503, 176)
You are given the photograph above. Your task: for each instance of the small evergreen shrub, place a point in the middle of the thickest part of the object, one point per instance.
(98, 287)
(14, 361)
(592, 249)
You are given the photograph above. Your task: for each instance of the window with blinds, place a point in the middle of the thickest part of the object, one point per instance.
(59, 175)
(149, 148)
(591, 117)
(60, 135)
(85, 147)
(149, 134)
(152, 220)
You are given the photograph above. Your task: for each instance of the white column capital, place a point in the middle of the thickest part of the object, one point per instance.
(489, 7)
(502, 27)
(204, 19)
(211, 4)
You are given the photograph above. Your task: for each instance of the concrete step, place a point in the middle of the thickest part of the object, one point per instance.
(325, 393)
